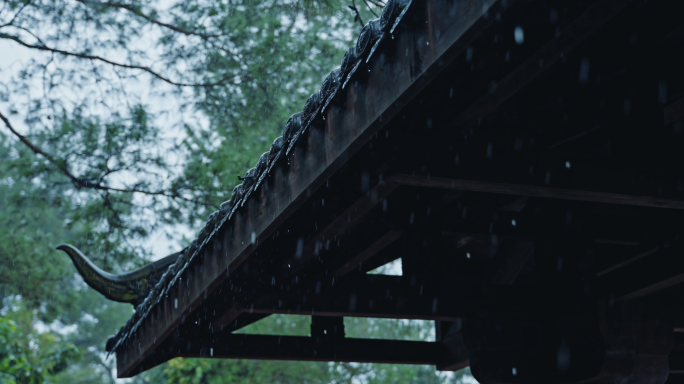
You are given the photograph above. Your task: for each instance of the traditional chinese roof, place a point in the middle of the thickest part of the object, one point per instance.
(371, 39)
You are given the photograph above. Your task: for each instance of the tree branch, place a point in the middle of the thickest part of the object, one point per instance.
(11, 22)
(26, 141)
(224, 81)
(82, 183)
(369, 8)
(377, 3)
(358, 15)
(138, 12)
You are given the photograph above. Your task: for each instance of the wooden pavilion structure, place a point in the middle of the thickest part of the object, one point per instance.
(523, 159)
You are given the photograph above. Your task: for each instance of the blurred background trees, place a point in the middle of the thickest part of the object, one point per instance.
(123, 127)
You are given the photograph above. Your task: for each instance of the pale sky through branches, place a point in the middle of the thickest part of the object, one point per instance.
(13, 57)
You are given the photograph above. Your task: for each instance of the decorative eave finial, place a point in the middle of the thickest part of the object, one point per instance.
(130, 287)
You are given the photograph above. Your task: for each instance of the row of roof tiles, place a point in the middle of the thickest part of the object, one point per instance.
(371, 37)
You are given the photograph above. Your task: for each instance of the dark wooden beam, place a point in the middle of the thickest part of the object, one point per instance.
(324, 297)
(544, 173)
(457, 356)
(342, 224)
(374, 296)
(386, 255)
(676, 359)
(377, 296)
(228, 316)
(675, 377)
(641, 250)
(297, 348)
(537, 191)
(367, 253)
(450, 334)
(673, 111)
(570, 37)
(508, 261)
(267, 347)
(363, 305)
(649, 274)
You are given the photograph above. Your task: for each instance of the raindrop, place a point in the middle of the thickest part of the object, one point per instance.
(175, 303)
(467, 255)
(384, 205)
(563, 357)
(662, 92)
(411, 219)
(211, 351)
(584, 71)
(273, 280)
(428, 43)
(253, 237)
(627, 107)
(518, 144)
(633, 38)
(513, 222)
(567, 164)
(300, 248)
(451, 93)
(365, 181)
(553, 16)
(519, 35)
(514, 371)
(322, 202)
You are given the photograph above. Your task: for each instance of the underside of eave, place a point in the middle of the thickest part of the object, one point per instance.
(400, 68)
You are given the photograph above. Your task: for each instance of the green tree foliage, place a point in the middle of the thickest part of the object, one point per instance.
(27, 359)
(136, 116)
